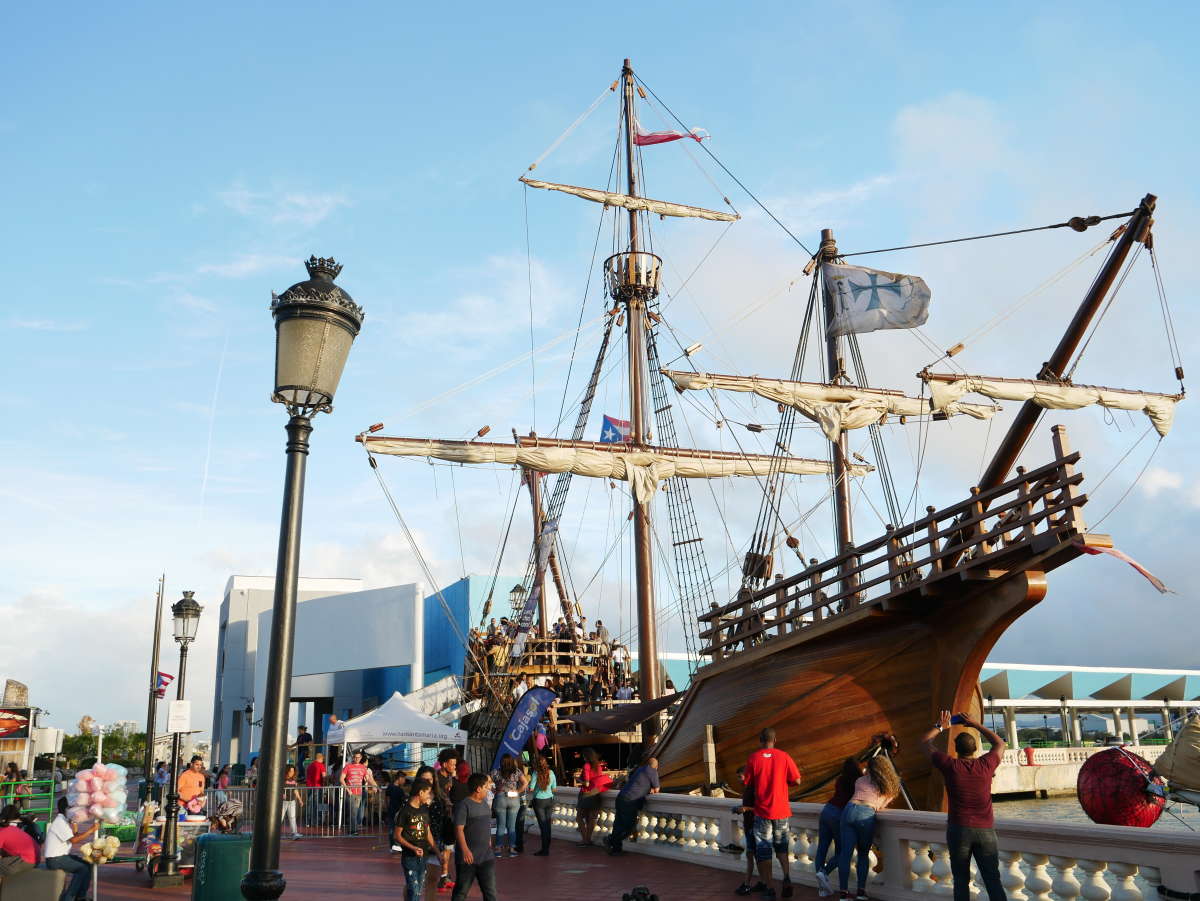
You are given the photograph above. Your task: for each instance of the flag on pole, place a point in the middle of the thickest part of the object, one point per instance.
(866, 300)
(164, 681)
(614, 431)
(644, 138)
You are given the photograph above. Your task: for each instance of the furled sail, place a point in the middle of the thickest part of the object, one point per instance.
(947, 389)
(645, 467)
(612, 198)
(832, 407)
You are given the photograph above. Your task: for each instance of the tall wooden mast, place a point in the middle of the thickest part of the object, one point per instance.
(635, 297)
(841, 448)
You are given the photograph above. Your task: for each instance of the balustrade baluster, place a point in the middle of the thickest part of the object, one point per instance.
(1094, 886)
(1126, 888)
(803, 848)
(1066, 886)
(942, 875)
(1153, 877)
(922, 866)
(1012, 877)
(1038, 881)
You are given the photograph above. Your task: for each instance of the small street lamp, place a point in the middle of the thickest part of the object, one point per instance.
(186, 615)
(315, 324)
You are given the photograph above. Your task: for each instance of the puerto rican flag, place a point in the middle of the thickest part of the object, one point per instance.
(614, 431)
(164, 681)
(645, 138)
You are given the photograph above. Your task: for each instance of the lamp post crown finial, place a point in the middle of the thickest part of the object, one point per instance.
(322, 267)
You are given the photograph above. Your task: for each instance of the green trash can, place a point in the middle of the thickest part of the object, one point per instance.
(221, 861)
(237, 774)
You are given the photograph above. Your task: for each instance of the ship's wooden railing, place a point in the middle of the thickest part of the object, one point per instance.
(1039, 860)
(540, 656)
(574, 655)
(1038, 507)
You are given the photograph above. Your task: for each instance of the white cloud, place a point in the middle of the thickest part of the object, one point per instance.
(474, 316)
(47, 325)
(1157, 480)
(190, 301)
(283, 207)
(246, 264)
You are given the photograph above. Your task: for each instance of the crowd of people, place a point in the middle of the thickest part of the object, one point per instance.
(466, 822)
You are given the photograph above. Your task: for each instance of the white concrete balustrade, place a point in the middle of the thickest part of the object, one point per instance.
(1039, 861)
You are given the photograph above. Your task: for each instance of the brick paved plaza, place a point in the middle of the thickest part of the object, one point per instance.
(352, 869)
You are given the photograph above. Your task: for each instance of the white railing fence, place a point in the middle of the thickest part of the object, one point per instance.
(1038, 861)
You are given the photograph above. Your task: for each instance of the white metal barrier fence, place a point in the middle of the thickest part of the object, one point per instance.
(331, 811)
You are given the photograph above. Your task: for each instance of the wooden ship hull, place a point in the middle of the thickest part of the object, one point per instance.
(905, 643)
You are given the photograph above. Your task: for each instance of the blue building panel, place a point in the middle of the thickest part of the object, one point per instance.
(447, 625)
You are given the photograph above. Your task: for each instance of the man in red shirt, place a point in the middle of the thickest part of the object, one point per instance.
(768, 774)
(354, 776)
(315, 772)
(315, 775)
(970, 826)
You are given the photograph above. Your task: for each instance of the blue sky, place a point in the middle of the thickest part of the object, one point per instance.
(167, 168)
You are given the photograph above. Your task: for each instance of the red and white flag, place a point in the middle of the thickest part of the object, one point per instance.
(643, 138)
(164, 681)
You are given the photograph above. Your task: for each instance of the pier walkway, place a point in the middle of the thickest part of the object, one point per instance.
(353, 869)
(684, 854)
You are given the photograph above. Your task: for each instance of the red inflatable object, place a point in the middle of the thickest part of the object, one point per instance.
(1112, 789)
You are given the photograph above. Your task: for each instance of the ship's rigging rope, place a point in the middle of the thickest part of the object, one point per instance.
(532, 344)
(1168, 319)
(515, 498)
(1079, 223)
(1112, 296)
(570, 128)
(1132, 484)
(428, 573)
(583, 303)
(725, 168)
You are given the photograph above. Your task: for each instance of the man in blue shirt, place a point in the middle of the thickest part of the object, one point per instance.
(642, 782)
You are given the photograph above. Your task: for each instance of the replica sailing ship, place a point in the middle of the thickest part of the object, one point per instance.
(877, 638)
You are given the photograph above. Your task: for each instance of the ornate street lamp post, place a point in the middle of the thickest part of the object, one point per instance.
(315, 324)
(516, 597)
(186, 614)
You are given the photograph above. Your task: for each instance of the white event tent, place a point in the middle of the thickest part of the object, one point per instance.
(394, 722)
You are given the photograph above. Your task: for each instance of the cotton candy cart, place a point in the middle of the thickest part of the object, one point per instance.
(150, 845)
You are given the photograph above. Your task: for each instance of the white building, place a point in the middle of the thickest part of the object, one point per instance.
(246, 599)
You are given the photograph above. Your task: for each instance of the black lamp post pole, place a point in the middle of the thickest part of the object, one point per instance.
(168, 866)
(265, 881)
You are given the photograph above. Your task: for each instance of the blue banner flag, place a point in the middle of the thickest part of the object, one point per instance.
(526, 715)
